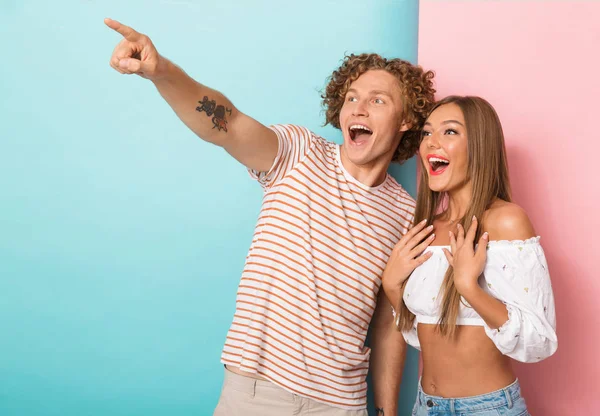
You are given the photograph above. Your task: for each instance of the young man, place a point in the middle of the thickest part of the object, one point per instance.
(330, 218)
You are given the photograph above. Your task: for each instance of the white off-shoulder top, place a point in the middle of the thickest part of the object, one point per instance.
(515, 273)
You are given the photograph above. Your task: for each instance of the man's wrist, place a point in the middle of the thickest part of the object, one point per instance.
(165, 71)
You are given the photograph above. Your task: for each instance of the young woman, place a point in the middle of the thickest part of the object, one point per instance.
(470, 279)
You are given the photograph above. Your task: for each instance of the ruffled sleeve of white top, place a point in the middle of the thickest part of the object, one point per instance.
(517, 274)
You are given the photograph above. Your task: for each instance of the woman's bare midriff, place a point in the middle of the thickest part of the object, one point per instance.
(468, 365)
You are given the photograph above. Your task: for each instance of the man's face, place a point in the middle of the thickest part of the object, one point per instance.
(371, 119)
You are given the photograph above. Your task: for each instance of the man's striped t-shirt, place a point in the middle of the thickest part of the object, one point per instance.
(309, 286)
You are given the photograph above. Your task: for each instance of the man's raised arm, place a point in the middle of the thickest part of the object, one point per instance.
(207, 112)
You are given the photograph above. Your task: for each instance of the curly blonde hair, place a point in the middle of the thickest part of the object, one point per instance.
(415, 83)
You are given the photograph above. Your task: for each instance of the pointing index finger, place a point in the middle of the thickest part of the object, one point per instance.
(127, 32)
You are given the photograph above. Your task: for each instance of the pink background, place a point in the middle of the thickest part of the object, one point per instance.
(538, 63)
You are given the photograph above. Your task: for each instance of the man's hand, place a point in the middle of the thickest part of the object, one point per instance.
(135, 54)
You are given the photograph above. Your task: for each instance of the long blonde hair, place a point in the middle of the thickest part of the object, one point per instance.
(487, 170)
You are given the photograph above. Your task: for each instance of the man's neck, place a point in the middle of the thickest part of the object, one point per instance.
(372, 174)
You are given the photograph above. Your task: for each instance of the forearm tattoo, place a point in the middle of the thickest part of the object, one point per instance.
(217, 112)
(379, 411)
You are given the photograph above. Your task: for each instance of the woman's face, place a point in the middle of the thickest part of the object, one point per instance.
(443, 149)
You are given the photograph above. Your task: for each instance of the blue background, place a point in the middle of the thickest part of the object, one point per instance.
(122, 235)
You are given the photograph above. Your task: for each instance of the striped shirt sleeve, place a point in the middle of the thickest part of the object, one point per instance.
(294, 144)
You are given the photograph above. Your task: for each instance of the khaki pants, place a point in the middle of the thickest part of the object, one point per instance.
(246, 396)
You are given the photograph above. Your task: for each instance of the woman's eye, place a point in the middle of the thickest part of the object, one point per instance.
(450, 131)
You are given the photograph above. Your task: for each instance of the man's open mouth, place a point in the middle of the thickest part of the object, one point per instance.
(359, 133)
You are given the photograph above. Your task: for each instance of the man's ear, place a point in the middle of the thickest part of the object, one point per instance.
(405, 126)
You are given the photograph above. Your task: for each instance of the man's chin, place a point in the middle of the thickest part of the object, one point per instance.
(360, 160)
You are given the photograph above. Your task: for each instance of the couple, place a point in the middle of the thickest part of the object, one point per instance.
(463, 274)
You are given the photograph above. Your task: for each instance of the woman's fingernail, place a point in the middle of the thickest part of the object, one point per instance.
(485, 235)
(474, 218)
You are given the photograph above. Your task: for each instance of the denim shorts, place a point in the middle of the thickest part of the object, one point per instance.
(507, 402)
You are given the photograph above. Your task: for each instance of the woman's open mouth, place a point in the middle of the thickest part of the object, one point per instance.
(437, 164)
